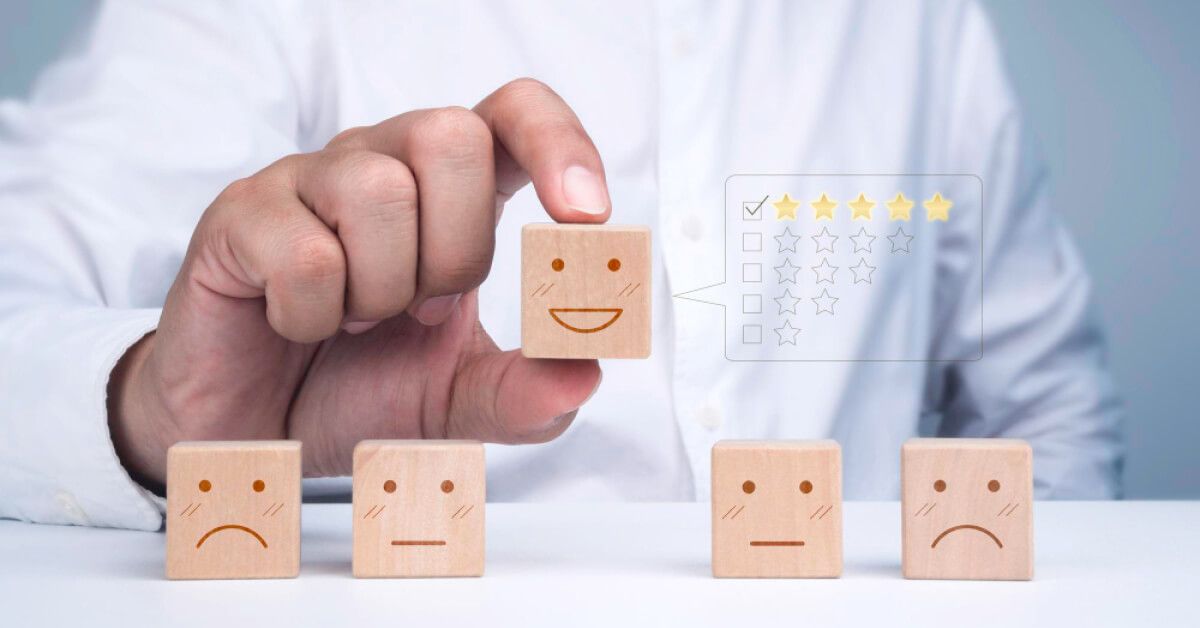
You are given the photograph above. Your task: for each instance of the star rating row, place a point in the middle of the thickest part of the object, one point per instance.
(937, 208)
(788, 302)
(863, 240)
(824, 271)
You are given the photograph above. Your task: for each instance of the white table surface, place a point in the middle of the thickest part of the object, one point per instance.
(1097, 563)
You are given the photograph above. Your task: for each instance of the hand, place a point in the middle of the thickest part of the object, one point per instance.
(332, 296)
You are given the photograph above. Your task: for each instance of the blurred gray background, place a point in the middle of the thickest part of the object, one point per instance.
(1111, 89)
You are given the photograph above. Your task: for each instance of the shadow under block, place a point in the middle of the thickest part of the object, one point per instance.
(585, 291)
(777, 509)
(418, 508)
(967, 509)
(233, 509)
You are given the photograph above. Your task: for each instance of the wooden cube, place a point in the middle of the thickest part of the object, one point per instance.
(967, 509)
(233, 509)
(777, 509)
(585, 291)
(418, 508)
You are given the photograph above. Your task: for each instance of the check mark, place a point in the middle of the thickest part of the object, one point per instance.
(754, 212)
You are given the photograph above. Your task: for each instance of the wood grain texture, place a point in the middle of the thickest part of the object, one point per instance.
(585, 291)
(777, 509)
(233, 509)
(418, 508)
(967, 509)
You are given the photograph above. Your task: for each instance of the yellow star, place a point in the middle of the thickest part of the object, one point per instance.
(785, 208)
(899, 208)
(823, 207)
(860, 208)
(938, 208)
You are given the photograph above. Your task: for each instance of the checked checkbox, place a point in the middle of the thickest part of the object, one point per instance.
(752, 210)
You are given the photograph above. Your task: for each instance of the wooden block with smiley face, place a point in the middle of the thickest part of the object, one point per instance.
(967, 509)
(777, 509)
(233, 509)
(418, 508)
(585, 291)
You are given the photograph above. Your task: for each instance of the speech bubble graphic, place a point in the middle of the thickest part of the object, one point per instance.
(851, 267)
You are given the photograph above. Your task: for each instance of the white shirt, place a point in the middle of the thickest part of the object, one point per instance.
(104, 173)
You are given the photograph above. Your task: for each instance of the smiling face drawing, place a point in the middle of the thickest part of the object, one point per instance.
(777, 509)
(586, 291)
(967, 506)
(418, 509)
(233, 509)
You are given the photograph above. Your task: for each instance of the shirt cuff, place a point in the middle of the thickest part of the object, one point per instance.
(57, 459)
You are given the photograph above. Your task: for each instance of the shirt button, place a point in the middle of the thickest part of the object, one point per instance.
(71, 508)
(693, 228)
(709, 417)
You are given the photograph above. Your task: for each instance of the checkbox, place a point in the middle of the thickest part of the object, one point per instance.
(752, 273)
(751, 304)
(753, 210)
(751, 334)
(751, 242)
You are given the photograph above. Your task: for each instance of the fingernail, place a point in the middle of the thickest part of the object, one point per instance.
(358, 327)
(584, 190)
(435, 310)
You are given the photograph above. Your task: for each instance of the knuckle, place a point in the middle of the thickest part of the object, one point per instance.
(350, 137)
(453, 133)
(314, 260)
(524, 89)
(375, 179)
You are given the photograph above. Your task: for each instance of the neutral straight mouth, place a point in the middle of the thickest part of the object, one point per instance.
(418, 542)
(776, 543)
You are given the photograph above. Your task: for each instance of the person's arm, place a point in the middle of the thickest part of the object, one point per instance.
(1043, 375)
(102, 176)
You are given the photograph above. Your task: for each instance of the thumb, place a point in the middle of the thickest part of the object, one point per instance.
(505, 397)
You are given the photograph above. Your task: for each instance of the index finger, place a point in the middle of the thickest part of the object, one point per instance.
(538, 137)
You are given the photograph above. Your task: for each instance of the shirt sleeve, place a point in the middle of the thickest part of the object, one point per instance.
(103, 175)
(1043, 374)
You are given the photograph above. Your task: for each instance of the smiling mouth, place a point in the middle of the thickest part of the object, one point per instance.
(584, 316)
(967, 526)
(231, 526)
(418, 543)
(776, 543)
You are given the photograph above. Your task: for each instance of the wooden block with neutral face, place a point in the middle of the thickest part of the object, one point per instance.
(585, 291)
(233, 509)
(967, 509)
(777, 509)
(418, 508)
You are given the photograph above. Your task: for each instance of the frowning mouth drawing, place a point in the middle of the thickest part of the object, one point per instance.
(231, 526)
(967, 526)
(585, 320)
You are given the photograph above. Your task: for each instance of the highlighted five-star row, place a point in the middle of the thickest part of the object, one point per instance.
(861, 208)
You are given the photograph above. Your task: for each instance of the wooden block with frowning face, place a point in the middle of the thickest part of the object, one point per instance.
(233, 509)
(777, 509)
(585, 291)
(967, 509)
(418, 508)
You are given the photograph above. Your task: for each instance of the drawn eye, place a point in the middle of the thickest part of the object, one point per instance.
(614, 264)
(557, 264)
(747, 487)
(447, 486)
(939, 486)
(258, 486)
(806, 487)
(389, 486)
(205, 486)
(993, 486)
